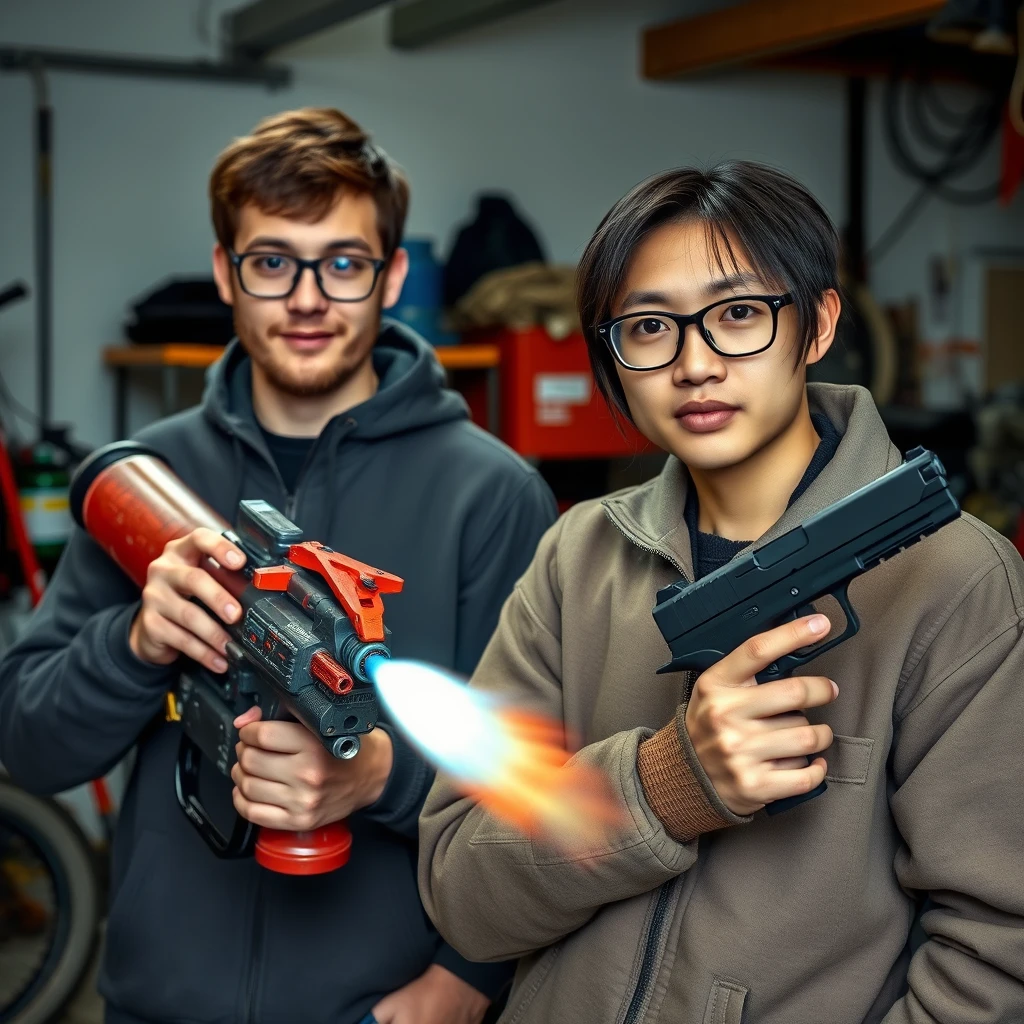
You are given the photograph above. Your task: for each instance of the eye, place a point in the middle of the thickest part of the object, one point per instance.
(739, 312)
(271, 264)
(647, 327)
(344, 266)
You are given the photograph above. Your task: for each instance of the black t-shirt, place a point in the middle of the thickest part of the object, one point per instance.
(290, 455)
(711, 552)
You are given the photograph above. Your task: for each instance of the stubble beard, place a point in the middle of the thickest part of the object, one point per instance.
(283, 377)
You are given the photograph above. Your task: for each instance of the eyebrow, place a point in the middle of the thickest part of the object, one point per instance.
(729, 283)
(265, 242)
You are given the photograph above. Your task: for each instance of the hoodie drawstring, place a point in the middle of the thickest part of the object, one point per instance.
(239, 458)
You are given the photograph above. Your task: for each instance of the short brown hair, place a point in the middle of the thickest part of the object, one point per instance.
(295, 164)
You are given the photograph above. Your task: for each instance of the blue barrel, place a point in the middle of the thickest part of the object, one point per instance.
(420, 305)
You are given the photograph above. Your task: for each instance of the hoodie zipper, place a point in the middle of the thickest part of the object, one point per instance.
(652, 940)
(652, 943)
(255, 951)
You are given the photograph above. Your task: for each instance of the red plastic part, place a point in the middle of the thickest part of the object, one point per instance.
(34, 577)
(330, 673)
(550, 408)
(274, 577)
(304, 853)
(348, 580)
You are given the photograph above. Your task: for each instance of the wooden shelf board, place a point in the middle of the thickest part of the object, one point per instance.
(760, 29)
(906, 51)
(452, 357)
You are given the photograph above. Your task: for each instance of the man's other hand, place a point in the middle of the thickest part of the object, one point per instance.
(285, 779)
(436, 997)
(169, 622)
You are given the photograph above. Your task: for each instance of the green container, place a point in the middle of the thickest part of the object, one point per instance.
(43, 482)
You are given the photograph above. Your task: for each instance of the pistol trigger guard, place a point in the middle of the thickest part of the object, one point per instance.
(852, 622)
(786, 664)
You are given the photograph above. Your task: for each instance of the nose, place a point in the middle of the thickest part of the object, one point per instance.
(306, 297)
(698, 362)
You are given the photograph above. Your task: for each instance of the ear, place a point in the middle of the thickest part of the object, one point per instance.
(828, 319)
(223, 274)
(394, 277)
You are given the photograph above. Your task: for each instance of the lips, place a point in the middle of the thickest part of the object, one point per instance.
(303, 341)
(704, 417)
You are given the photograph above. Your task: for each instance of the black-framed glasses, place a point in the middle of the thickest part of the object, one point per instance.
(739, 326)
(273, 275)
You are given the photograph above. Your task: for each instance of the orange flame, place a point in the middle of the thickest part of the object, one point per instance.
(513, 762)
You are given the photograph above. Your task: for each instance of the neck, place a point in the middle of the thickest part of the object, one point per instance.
(744, 501)
(307, 415)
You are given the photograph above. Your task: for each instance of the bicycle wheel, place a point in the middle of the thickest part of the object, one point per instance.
(49, 891)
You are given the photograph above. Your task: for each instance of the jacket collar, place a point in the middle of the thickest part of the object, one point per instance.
(651, 515)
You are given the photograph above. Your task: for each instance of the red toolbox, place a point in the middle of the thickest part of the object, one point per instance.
(550, 407)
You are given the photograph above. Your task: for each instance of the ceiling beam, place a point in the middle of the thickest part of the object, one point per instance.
(252, 31)
(419, 22)
(767, 28)
(16, 58)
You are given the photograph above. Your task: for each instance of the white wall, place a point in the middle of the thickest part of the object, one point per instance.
(548, 105)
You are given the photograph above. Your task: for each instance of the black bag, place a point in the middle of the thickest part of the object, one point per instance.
(497, 237)
(184, 310)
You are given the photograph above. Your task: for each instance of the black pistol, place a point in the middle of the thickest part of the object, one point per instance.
(704, 621)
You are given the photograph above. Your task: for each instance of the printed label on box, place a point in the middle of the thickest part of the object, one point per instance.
(564, 388)
(553, 415)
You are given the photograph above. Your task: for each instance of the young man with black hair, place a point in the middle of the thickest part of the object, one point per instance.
(704, 296)
(342, 422)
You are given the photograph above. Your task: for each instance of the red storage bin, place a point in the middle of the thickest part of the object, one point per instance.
(550, 407)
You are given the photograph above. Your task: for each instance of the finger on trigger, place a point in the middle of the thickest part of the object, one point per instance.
(761, 650)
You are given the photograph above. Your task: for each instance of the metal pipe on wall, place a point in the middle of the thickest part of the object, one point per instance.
(43, 241)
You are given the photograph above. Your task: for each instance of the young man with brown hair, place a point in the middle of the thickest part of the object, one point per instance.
(345, 425)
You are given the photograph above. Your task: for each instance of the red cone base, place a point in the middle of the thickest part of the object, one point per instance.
(304, 853)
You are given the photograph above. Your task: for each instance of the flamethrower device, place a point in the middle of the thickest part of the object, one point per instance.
(704, 621)
(311, 622)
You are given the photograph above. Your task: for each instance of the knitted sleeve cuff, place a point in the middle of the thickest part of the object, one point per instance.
(677, 789)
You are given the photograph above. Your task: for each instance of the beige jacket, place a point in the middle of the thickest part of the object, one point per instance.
(801, 918)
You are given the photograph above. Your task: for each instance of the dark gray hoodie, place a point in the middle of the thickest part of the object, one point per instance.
(404, 482)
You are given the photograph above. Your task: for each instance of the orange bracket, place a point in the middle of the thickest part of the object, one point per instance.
(357, 586)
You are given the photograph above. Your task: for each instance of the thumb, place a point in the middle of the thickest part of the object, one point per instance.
(254, 714)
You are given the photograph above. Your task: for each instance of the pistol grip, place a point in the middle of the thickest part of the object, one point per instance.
(778, 806)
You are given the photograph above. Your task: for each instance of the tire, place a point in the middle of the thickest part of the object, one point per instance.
(55, 840)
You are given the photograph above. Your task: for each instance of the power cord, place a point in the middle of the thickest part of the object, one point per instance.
(954, 143)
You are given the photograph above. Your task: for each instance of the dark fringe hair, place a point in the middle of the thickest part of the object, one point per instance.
(780, 227)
